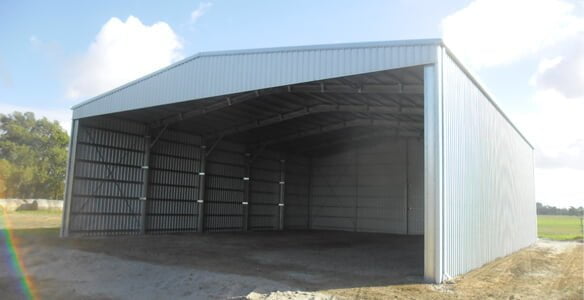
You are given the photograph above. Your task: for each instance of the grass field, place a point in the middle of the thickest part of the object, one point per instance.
(559, 228)
(30, 219)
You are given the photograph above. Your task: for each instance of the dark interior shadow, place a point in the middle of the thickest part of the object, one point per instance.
(309, 260)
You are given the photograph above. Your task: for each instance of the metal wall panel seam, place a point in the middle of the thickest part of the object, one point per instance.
(441, 202)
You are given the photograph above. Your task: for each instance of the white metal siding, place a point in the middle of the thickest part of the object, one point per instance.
(222, 73)
(489, 207)
(433, 172)
(364, 189)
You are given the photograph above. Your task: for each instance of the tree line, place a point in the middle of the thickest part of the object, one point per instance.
(33, 157)
(552, 210)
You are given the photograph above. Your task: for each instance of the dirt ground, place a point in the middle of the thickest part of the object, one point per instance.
(290, 265)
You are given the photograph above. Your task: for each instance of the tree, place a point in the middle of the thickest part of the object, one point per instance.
(33, 156)
(552, 210)
(5, 169)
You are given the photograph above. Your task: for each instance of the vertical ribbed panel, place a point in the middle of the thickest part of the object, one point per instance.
(364, 189)
(297, 192)
(334, 192)
(174, 168)
(225, 188)
(108, 178)
(381, 183)
(222, 73)
(265, 189)
(415, 189)
(489, 206)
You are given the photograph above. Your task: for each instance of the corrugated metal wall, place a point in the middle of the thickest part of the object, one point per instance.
(366, 189)
(107, 193)
(363, 189)
(265, 191)
(223, 73)
(174, 166)
(489, 206)
(224, 188)
(297, 192)
(107, 178)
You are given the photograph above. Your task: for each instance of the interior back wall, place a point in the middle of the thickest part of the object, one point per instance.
(376, 188)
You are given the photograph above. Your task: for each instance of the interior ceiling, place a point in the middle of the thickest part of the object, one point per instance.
(305, 118)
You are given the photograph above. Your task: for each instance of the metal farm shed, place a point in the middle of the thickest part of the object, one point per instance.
(389, 137)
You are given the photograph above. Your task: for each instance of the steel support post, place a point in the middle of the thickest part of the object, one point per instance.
(356, 205)
(145, 183)
(69, 179)
(282, 194)
(407, 187)
(201, 198)
(246, 192)
(309, 201)
(433, 171)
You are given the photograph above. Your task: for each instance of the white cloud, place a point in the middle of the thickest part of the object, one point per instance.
(200, 11)
(497, 32)
(564, 73)
(559, 187)
(121, 52)
(556, 128)
(490, 33)
(63, 116)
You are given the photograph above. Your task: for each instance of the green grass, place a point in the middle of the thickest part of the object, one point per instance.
(30, 219)
(37, 212)
(561, 228)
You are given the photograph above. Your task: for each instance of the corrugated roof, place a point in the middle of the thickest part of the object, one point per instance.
(213, 74)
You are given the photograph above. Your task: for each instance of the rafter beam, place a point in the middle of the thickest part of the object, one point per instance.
(358, 89)
(158, 136)
(321, 108)
(343, 125)
(228, 101)
(391, 133)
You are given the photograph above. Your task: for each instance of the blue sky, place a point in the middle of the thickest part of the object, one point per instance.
(54, 54)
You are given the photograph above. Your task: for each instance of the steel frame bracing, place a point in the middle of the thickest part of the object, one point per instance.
(385, 106)
(338, 106)
(108, 178)
(228, 101)
(343, 125)
(321, 108)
